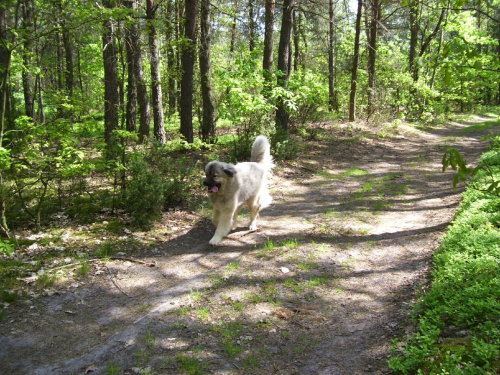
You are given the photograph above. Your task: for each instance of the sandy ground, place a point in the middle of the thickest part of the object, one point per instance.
(322, 287)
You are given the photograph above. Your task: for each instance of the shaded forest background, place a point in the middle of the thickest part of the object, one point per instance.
(108, 104)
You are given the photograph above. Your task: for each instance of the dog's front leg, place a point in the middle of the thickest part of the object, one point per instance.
(224, 227)
(215, 217)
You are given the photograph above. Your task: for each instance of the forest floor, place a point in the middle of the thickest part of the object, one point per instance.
(323, 286)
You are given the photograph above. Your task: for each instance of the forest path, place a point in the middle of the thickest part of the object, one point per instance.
(321, 288)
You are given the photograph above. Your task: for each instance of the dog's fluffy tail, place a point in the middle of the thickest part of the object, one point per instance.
(261, 152)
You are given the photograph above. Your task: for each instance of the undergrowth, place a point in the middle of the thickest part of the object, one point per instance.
(458, 317)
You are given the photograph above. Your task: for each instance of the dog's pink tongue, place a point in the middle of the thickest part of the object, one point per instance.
(214, 189)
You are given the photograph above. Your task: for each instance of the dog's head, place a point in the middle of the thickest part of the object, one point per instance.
(217, 174)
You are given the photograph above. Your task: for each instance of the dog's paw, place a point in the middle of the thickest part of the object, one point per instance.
(214, 241)
(253, 227)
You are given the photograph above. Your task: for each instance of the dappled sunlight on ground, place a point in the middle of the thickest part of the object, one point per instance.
(321, 287)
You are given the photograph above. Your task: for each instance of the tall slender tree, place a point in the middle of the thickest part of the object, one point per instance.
(251, 25)
(171, 27)
(69, 71)
(156, 92)
(186, 112)
(111, 85)
(333, 104)
(232, 44)
(299, 40)
(67, 46)
(267, 63)
(414, 13)
(131, 112)
(355, 62)
(28, 81)
(5, 57)
(283, 73)
(208, 120)
(142, 89)
(372, 53)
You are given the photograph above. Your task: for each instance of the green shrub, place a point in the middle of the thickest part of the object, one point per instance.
(6, 247)
(181, 174)
(283, 147)
(458, 317)
(145, 192)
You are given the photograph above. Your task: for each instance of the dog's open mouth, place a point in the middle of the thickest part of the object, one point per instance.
(214, 188)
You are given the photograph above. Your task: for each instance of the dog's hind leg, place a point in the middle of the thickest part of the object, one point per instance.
(254, 214)
(235, 218)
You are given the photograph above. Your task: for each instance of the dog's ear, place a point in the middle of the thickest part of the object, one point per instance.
(230, 170)
(208, 167)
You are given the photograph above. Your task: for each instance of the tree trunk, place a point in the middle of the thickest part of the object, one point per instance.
(414, 30)
(208, 121)
(251, 26)
(142, 99)
(5, 55)
(297, 16)
(111, 86)
(171, 59)
(131, 113)
(41, 105)
(60, 56)
(426, 42)
(233, 27)
(372, 55)
(284, 49)
(142, 90)
(298, 34)
(267, 63)
(354, 71)
(156, 94)
(28, 82)
(436, 59)
(68, 54)
(333, 104)
(188, 71)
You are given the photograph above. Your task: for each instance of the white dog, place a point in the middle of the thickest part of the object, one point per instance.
(230, 187)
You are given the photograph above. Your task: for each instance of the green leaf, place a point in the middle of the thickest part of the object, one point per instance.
(6, 247)
(5, 160)
(447, 76)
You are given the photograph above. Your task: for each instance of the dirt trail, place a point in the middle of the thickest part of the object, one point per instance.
(321, 288)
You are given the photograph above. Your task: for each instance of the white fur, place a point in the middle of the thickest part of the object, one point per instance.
(247, 185)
